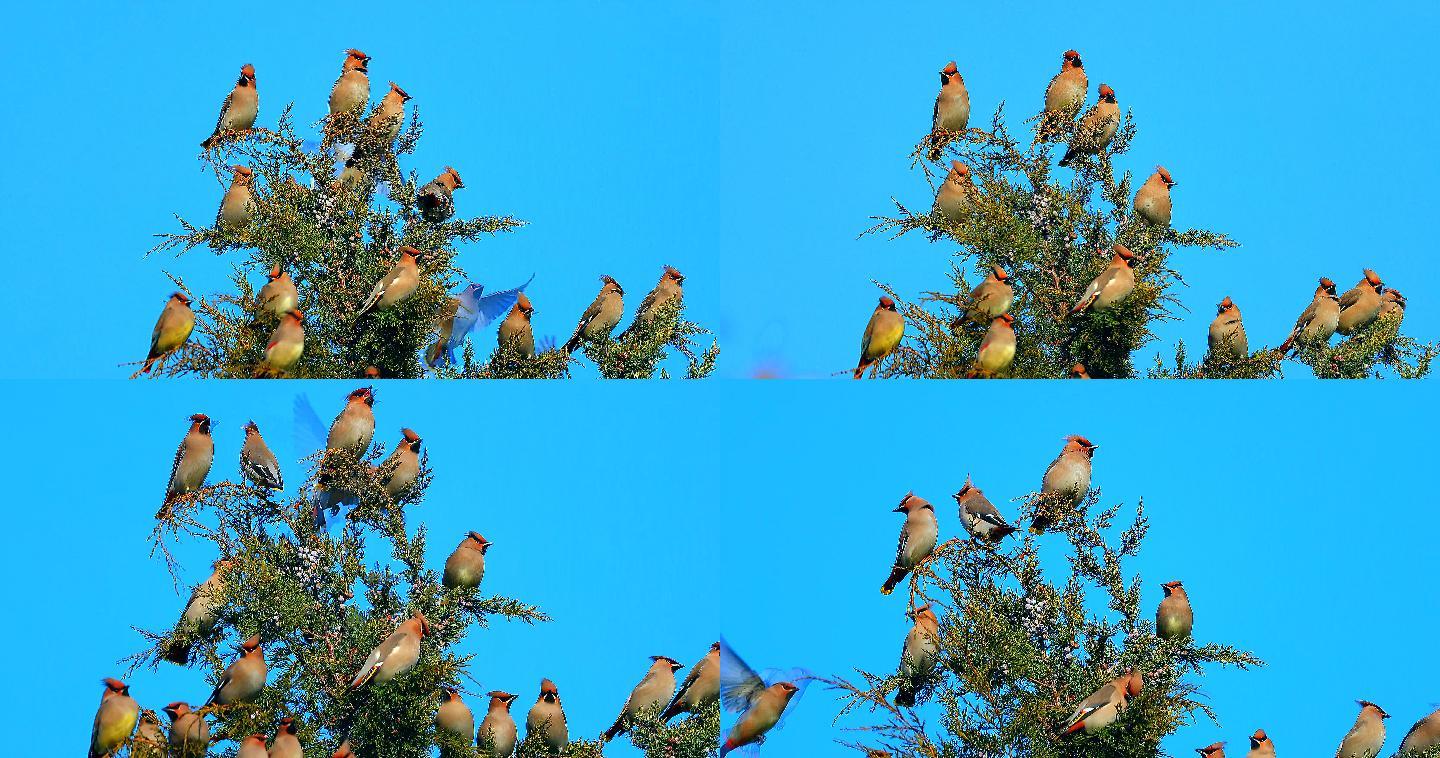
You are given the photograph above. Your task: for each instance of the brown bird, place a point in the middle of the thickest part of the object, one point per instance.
(653, 690)
(398, 283)
(497, 735)
(454, 715)
(286, 345)
(201, 611)
(547, 719)
(1318, 321)
(238, 204)
(1361, 304)
(258, 464)
(287, 741)
(1425, 735)
(1067, 480)
(1366, 737)
(917, 538)
(991, 298)
(1112, 286)
(352, 89)
(189, 734)
(253, 747)
(1152, 200)
(150, 740)
(700, 688)
(1260, 745)
(997, 349)
(882, 335)
(1227, 332)
(516, 328)
(402, 468)
(979, 516)
(466, 565)
(952, 109)
(192, 463)
(919, 654)
(353, 429)
(1063, 96)
(436, 200)
(666, 291)
(1216, 750)
(114, 720)
(1103, 706)
(245, 678)
(1174, 619)
(957, 195)
(172, 329)
(600, 318)
(279, 296)
(391, 115)
(1097, 127)
(1392, 302)
(394, 656)
(237, 113)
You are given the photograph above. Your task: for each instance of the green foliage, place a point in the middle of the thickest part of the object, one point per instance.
(1019, 648)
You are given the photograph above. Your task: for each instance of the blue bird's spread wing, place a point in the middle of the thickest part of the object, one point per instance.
(739, 684)
(310, 432)
(476, 310)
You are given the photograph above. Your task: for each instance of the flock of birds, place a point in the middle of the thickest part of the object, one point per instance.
(120, 721)
(990, 301)
(279, 299)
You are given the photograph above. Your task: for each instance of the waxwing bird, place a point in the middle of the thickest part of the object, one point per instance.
(466, 566)
(952, 109)
(1097, 127)
(1152, 200)
(547, 719)
(918, 656)
(391, 115)
(1319, 319)
(666, 292)
(1260, 745)
(402, 468)
(252, 747)
(1112, 286)
(192, 462)
(172, 329)
(1227, 331)
(472, 309)
(353, 429)
(398, 283)
(279, 296)
(882, 335)
(1063, 96)
(700, 688)
(1392, 302)
(979, 516)
(394, 656)
(150, 740)
(115, 719)
(917, 538)
(237, 113)
(516, 328)
(287, 741)
(244, 679)
(991, 298)
(1366, 737)
(189, 733)
(1173, 619)
(997, 349)
(1361, 304)
(1078, 371)
(237, 206)
(1425, 735)
(436, 200)
(352, 89)
(1067, 479)
(454, 716)
(257, 463)
(497, 735)
(957, 195)
(286, 345)
(1103, 706)
(762, 705)
(601, 317)
(1216, 750)
(201, 611)
(654, 689)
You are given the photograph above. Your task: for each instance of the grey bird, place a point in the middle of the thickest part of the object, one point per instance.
(917, 538)
(395, 655)
(1174, 619)
(1227, 332)
(1067, 480)
(402, 468)
(700, 688)
(952, 109)
(919, 654)
(654, 689)
(192, 463)
(1112, 286)
(436, 199)
(1319, 319)
(497, 735)
(547, 719)
(466, 565)
(189, 733)
(979, 516)
(245, 678)
(257, 463)
(201, 611)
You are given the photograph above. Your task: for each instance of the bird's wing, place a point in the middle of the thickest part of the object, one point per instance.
(310, 432)
(481, 311)
(904, 538)
(1091, 704)
(1351, 297)
(799, 677)
(685, 685)
(739, 684)
(265, 468)
(224, 108)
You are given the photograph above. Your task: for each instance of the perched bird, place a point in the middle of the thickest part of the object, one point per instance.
(700, 688)
(201, 611)
(394, 656)
(1103, 706)
(237, 206)
(192, 463)
(1216, 750)
(398, 283)
(918, 656)
(279, 296)
(1174, 619)
(454, 715)
(980, 518)
(436, 200)
(1097, 127)
(466, 566)
(882, 335)
(150, 740)
(172, 329)
(601, 317)
(1067, 479)
(1078, 371)
(997, 349)
(1227, 331)
(353, 429)
(497, 735)
(1319, 319)
(287, 740)
(257, 463)
(991, 298)
(245, 678)
(957, 194)
(1361, 304)
(665, 292)
(761, 705)
(952, 109)
(286, 345)
(917, 538)
(1425, 735)
(1260, 745)
(352, 89)
(471, 310)
(654, 689)
(402, 468)
(237, 113)
(1063, 96)
(1392, 302)
(516, 328)
(252, 747)
(114, 720)
(189, 733)
(1152, 200)
(547, 719)
(1366, 737)
(391, 115)
(1112, 286)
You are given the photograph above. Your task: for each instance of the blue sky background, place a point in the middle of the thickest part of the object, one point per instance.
(746, 144)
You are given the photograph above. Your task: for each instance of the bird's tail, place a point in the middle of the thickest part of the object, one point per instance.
(572, 343)
(615, 729)
(897, 574)
(727, 747)
(1068, 156)
(860, 369)
(671, 711)
(208, 143)
(1001, 532)
(364, 677)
